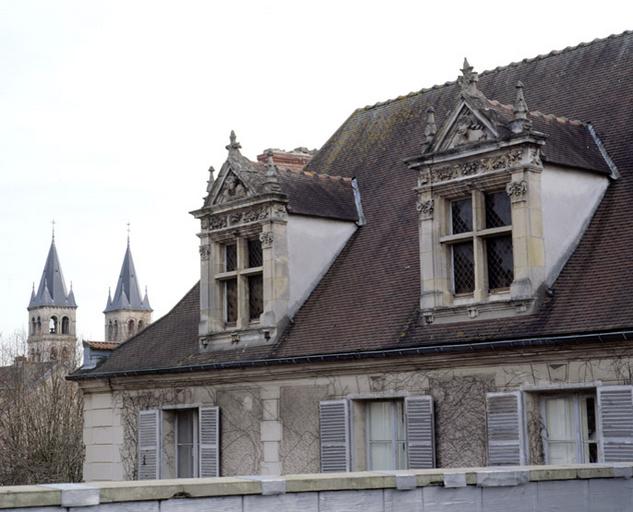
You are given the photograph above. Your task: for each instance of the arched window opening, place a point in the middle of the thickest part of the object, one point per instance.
(53, 354)
(39, 325)
(33, 325)
(130, 328)
(110, 331)
(65, 354)
(116, 330)
(52, 325)
(140, 325)
(65, 325)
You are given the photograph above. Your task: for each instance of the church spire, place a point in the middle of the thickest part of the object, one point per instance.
(52, 288)
(127, 294)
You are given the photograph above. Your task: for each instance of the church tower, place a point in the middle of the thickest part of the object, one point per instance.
(126, 313)
(52, 315)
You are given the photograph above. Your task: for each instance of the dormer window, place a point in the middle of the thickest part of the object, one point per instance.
(241, 282)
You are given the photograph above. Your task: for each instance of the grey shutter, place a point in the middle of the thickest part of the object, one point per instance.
(420, 432)
(615, 413)
(148, 444)
(506, 428)
(209, 439)
(335, 435)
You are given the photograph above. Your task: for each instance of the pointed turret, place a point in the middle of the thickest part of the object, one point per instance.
(52, 288)
(126, 312)
(520, 121)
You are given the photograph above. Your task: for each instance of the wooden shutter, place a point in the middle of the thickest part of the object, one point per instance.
(335, 435)
(615, 413)
(148, 445)
(209, 440)
(420, 432)
(506, 429)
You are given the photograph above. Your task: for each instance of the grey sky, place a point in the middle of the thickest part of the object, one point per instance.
(113, 111)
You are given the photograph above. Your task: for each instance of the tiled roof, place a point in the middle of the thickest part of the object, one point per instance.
(368, 299)
(101, 345)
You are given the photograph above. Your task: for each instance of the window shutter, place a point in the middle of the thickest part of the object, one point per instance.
(506, 429)
(335, 435)
(209, 436)
(148, 445)
(420, 431)
(615, 412)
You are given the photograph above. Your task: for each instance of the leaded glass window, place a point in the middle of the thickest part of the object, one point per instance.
(462, 216)
(498, 211)
(500, 264)
(255, 253)
(255, 296)
(463, 268)
(230, 300)
(230, 257)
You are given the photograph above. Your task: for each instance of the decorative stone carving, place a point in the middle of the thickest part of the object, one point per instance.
(218, 222)
(235, 218)
(466, 130)
(425, 208)
(205, 252)
(255, 214)
(477, 166)
(279, 211)
(232, 190)
(517, 190)
(266, 238)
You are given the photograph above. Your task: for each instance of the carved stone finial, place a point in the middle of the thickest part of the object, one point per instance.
(520, 121)
(468, 80)
(272, 183)
(431, 128)
(211, 179)
(233, 145)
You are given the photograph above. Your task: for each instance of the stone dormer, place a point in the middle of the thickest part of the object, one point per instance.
(268, 234)
(504, 195)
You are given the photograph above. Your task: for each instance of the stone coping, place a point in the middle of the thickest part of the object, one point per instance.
(95, 493)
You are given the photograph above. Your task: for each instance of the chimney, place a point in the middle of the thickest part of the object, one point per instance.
(294, 160)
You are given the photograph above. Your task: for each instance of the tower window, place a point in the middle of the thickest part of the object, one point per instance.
(52, 325)
(116, 330)
(65, 325)
(33, 325)
(39, 325)
(110, 331)
(130, 328)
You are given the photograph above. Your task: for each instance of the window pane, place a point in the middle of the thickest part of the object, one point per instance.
(185, 427)
(185, 443)
(185, 461)
(381, 456)
(500, 263)
(560, 430)
(255, 296)
(255, 253)
(230, 300)
(498, 212)
(380, 421)
(462, 216)
(230, 257)
(463, 267)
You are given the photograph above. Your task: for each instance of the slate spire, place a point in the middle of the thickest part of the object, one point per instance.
(52, 288)
(127, 294)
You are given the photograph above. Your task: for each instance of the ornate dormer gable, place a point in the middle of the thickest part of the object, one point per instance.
(487, 179)
(261, 225)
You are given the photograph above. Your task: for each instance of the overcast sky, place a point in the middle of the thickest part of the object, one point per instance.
(113, 111)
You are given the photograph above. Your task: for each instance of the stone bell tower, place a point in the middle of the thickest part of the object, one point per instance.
(126, 314)
(52, 315)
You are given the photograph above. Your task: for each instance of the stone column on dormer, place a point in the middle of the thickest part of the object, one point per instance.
(276, 280)
(528, 245)
(432, 269)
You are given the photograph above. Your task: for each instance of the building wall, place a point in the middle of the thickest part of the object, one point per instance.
(270, 426)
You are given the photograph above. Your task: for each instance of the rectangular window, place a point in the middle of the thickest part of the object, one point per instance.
(186, 445)
(230, 257)
(463, 268)
(570, 429)
(462, 216)
(386, 435)
(498, 209)
(255, 258)
(255, 296)
(500, 262)
(230, 301)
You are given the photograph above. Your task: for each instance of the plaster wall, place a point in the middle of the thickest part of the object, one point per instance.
(313, 243)
(569, 200)
(271, 426)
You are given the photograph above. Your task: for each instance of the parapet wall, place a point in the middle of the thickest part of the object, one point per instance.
(582, 488)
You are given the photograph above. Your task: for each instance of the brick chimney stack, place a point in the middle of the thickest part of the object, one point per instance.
(294, 160)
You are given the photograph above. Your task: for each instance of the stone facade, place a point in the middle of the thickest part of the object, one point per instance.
(270, 424)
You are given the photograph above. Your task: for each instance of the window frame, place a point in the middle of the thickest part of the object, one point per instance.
(478, 236)
(241, 274)
(395, 443)
(195, 448)
(579, 440)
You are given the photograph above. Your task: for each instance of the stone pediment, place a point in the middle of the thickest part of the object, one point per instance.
(232, 188)
(467, 125)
